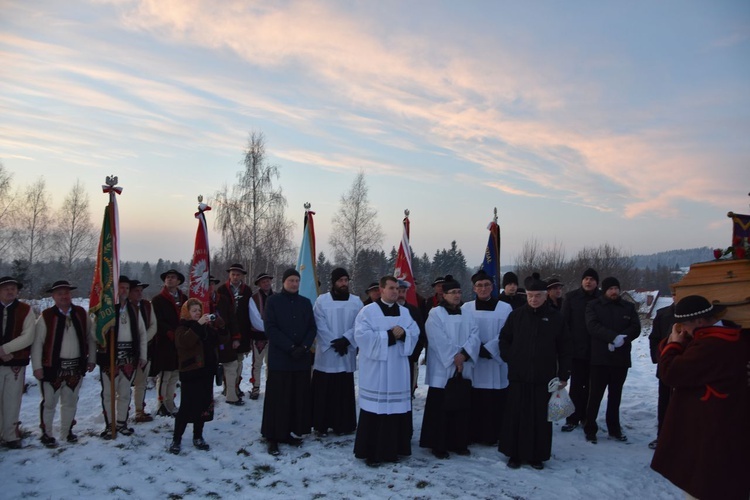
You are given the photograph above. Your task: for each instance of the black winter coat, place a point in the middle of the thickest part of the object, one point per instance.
(662, 327)
(289, 323)
(536, 345)
(606, 319)
(574, 312)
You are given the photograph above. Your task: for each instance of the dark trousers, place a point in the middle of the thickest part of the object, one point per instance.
(579, 389)
(664, 394)
(611, 379)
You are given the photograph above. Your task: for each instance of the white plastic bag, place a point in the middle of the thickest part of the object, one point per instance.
(560, 405)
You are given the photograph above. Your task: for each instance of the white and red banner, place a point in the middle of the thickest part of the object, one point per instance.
(200, 267)
(403, 265)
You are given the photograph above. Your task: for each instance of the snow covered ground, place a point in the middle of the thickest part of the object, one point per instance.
(238, 466)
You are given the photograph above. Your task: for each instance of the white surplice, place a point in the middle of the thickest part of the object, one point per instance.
(448, 335)
(335, 319)
(490, 373)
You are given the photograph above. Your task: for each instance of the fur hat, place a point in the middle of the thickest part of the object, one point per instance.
(694, 307)
(609, 282)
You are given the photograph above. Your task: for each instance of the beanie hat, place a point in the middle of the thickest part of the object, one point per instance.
(509, 278)
(450, 283)
(289, 272)
(609, 282)
(590, 273)
(338, 273)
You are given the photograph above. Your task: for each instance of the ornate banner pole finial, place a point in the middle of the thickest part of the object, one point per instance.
(494, 219)
(307, 205)
(406, 212)
(200, 198)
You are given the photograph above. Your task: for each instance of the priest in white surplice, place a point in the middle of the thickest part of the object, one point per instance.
(386, 335)
(452, 348)
(335, 358)
(490, 381)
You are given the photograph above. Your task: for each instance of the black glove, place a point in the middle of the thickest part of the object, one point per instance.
(484, 353)
(341, 345)
(298, 352)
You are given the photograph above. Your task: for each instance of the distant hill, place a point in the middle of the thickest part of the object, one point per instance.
(672, 258)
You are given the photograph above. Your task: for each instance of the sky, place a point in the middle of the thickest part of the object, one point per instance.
(581, 122)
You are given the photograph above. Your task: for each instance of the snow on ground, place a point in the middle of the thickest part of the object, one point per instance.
(238, 466)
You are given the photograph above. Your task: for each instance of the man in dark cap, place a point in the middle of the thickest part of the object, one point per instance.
(437, 297)
(264, 281)
(220, 305)
(453, 346)
(373, 293)
(490, 382)
(509, 293)
(335, 358)
(61, 355)
(554, 292)
(166, 307)
(574, 313)
(534, 342)
(130, 344)
(290, 327)
(613, 324)
(146, 321)
(704, 445)
(16, 337)
(237, 317)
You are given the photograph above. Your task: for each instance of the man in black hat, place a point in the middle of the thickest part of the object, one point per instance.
(335, 357)
(574, 312)
(146, 321)
(613, 324)
(16, 337)
(704, 445)
(534, 342)
(264, 282)
(237, 316)
(166, 307)
(437, 297)
(373, 293)
(661, 327)
(61, 355)
(290, 327)
(130, 344)
(510, 293)
(554, 293)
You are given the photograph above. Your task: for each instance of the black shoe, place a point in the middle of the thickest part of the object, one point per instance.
(273, 448)
(652, 444)
(371, 462)
(537, 465)
(125, 430)
(591, 438)
(13, 445)
(175, 447)
(163, 412)
(49, 441)
(514, 463)
(294, 441)
(442, 455)
(321, 433)
(106, 434)
(464, 453)
(72, 438)
(569, 427)
(201, 444)
(239, 402)
(254, 394)
(619, 437)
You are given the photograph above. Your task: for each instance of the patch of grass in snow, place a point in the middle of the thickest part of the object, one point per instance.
(422, 484)
(97, 466)
(114, 489)
(259, 471)
(243, 451)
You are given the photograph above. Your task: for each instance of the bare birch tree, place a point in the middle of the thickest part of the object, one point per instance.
(33, 226)
(251, 217)
(7, 208)
(355, 227)
(75, 237)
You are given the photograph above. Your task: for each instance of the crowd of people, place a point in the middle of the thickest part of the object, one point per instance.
(490, 366)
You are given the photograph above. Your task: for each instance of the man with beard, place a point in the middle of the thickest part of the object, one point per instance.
(416, 314)
(238, 295)
(257, 329)
(509, 293)
(129, 342)
(290, 327)
(453, 345)
(166, 307)
(16, 337)
(613, 324)
(61, 355)
(574, 313)
(335, 358)
(386, 335)
(490, 381)
(147, 322)
(534, 343)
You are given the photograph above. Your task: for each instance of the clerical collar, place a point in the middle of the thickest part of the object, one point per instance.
(388, 309)
(486, 305)
(451, 310)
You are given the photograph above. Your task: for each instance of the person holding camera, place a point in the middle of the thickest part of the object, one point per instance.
(195, 340)
(290, 328)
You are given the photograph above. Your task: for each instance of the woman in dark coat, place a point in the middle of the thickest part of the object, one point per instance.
(196, 350)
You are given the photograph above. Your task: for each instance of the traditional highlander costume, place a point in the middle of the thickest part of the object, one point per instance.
(335, 360)
(16, 337)
(146, 322)
(238, 298)
(257, 333)
(385, 423)
(167, 310)
(62, 351)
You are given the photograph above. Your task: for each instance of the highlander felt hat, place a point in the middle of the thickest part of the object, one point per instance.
(237, 267)
(6, 280)
(262, 276)
(694, 307)
(61, 284)
(177, 273)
